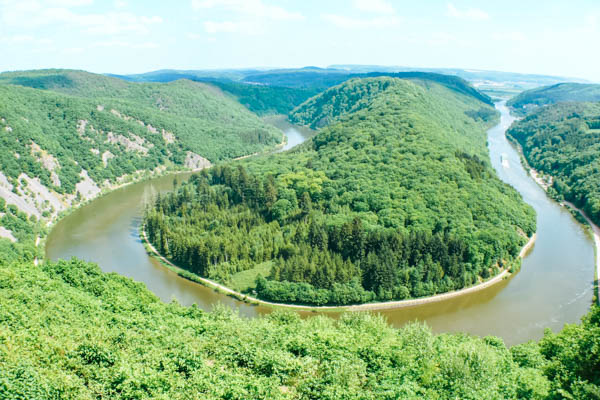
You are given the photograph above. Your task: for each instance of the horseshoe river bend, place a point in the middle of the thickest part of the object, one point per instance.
(553, 287)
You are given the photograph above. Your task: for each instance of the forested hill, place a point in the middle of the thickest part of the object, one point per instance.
(319, 80)
(530, 100)
(173, 95)
(280, 90)
(71, 133)
(395, 199)
(357, 93)
(563, 141)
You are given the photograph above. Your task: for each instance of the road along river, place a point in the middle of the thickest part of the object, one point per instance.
(554, 286)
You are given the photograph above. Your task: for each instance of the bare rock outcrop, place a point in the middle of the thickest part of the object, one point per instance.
(195, 161)
(87, 188)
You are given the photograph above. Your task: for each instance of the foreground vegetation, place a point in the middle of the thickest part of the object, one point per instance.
(563, 141)
(394, 199)
(70, 331)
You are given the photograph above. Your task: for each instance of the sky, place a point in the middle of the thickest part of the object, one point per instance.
(552, 37)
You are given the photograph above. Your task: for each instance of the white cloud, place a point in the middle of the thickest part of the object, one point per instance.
(22, 39)
(73, 50)
(31, 14)
(126, 44)
(120, 4)
(374, 6)
(245, 27)
(509, 36)
(217, 27)
(18, 39)
(471, 13)
(255, 8)
(68, 3)
(342, 21)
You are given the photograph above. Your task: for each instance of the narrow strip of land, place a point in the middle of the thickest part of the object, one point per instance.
(358, 307)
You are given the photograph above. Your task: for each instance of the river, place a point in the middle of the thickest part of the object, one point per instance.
(554, 286)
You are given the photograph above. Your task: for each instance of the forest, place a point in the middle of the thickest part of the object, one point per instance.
(264, 99)
(394, 199)
(563, 141)
(530, 100)
(140, 127)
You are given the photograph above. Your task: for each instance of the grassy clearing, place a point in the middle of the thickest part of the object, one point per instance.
(246, 280)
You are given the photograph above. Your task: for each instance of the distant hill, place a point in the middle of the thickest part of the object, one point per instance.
(308, 80)
(67, 134)
(467, 74)
(323, 80)
(492, 83)
(562, 92)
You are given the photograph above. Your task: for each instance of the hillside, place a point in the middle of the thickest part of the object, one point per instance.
(563, 141)
(174, 97)
(74, 133)
(264, 100)
(279, 91)
(530, 100)
(320, 80)
(322, 110)
(396, 198)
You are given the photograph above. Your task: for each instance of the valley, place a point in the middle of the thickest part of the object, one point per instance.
(73, 329)
(106, 232)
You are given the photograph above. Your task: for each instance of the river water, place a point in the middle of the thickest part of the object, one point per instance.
(554, 286)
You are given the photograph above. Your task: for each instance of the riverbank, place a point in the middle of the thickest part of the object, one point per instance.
(555, 289)
(127, 180)
(388, 305)
(595, 230)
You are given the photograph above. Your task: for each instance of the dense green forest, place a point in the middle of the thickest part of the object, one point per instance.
(563, 141)
(182, 98)
(320, 79)
(262, 99)
(65, 134)
(251, 84)
(395, 199)
(528, 101)
(54, 136)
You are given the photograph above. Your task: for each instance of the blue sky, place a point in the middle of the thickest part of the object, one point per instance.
(128, 36)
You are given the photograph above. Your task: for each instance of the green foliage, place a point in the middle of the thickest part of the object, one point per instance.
(531, 100)
(71, 331)
(263, 99)
(394, 199)
(563, 141)
(319, 79)
(573, 359)
(72, 118)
